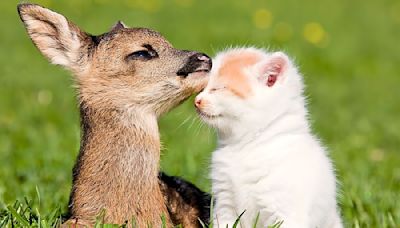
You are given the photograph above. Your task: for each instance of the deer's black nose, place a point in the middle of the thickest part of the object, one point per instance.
(203, 57)
(198, 62)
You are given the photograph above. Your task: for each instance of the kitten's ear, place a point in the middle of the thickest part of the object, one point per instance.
(58, 39)
(273, 68)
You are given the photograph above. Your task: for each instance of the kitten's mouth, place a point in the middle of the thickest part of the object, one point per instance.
(206, 115)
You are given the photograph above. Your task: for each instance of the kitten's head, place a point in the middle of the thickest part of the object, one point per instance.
(248, 87)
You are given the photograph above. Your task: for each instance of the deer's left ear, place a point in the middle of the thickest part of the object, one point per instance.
(58, 39)
(273, 68)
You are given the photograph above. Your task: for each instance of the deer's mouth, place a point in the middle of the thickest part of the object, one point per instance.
(202, 71)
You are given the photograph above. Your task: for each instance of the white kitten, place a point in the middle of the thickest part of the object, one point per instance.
(267, 161)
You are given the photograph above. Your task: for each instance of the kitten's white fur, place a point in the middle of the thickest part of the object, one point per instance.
(267, 160)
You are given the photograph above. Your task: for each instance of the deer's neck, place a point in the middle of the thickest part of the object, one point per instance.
(117, 168)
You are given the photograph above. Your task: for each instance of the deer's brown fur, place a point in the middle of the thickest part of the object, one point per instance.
(121, 94)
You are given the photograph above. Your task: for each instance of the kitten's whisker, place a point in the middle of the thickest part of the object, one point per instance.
(191, 124)
(183, 122)
(209, 135)
(200, 125)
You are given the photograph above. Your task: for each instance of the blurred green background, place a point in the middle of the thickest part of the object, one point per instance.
(349, 52)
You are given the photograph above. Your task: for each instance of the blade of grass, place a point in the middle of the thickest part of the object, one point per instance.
(202, 223)
(4, 221)
(211, 222)
(256, 220)
(38, 195)
(18, 217)
(276, 225)
(164, 221)
(39, 219)
(133, 220)
(100, 219)
(238, 219)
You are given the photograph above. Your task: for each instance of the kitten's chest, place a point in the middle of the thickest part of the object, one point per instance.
(242, 162)
(239, 170)
(231, 173)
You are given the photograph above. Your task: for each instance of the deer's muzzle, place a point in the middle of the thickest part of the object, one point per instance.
(198, 62)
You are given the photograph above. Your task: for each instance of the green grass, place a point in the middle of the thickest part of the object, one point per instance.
(348, 51)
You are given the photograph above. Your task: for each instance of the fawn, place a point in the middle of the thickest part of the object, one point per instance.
(125, 78)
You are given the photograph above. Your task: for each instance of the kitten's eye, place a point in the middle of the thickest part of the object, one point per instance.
(216, 89)
(141, 55)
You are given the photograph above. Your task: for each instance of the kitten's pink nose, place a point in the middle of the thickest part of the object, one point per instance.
(197, 102)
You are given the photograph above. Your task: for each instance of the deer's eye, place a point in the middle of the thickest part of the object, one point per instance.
(142, 55)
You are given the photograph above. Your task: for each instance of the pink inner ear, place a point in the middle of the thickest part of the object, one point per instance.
(273, 70)
(271, 80)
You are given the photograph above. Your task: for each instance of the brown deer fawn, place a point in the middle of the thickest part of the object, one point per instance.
(125, 78)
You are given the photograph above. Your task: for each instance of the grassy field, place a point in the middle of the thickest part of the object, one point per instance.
(349, 52)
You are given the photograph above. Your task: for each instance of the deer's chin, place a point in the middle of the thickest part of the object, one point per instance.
(196, 83)
(199, 76)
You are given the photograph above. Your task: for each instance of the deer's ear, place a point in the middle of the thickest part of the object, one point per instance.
(273, 68)
(57, 38)
(118, 25)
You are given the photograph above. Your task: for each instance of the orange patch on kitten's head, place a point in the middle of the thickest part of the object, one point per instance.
(231, 72)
